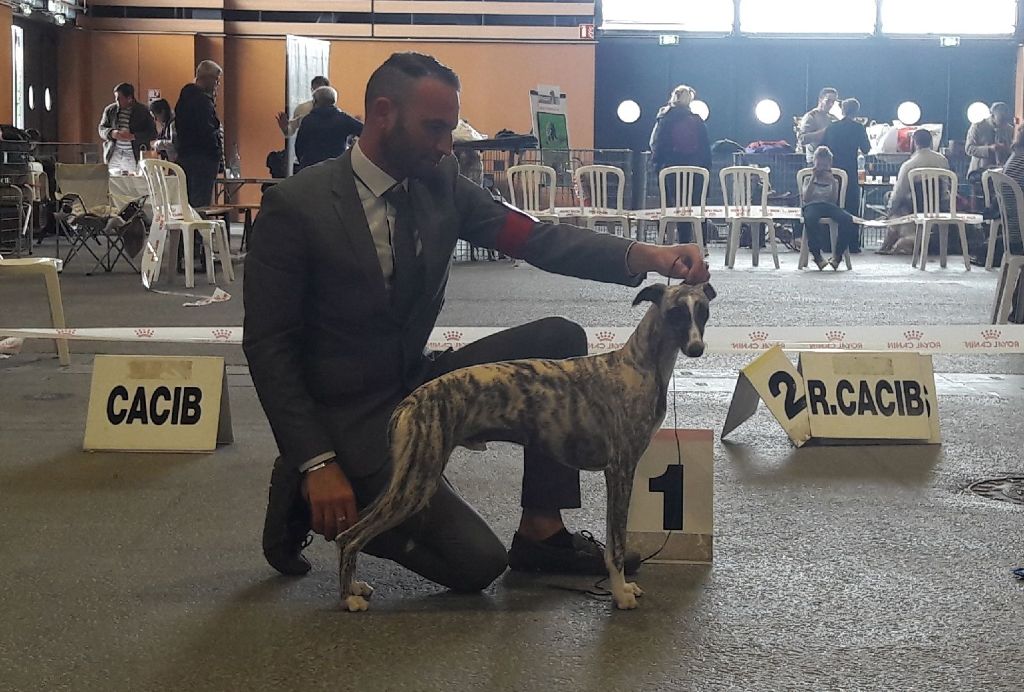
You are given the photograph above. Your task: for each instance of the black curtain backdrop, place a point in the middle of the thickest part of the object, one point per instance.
(732, 74)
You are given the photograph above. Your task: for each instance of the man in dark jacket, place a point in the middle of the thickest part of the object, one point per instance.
(846, 138)
(324, 133)
(126, 127)
(200, 138)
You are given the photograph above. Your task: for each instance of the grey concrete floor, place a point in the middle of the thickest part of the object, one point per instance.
(835, 568)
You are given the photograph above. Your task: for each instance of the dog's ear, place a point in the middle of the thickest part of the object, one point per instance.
(653, 293)
(709, 291)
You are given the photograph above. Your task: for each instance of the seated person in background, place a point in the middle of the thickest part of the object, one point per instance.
(324, 133)
(988, 141)
(901, 203)
(163, 115)
(816, 121)
(819, 198)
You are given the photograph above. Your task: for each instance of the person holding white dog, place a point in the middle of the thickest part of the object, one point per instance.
(344, 283)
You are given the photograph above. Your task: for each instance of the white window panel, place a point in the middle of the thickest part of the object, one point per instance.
(807, 16)
(955, 17)
(669, 15)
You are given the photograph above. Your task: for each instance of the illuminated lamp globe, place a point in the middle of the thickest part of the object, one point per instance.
(628, 111)
(767, 112)
(908, 113)
(978, 111)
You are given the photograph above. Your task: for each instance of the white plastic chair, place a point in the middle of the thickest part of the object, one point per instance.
(833, 225)
(928, 213)
(741, 207)
(47, 267)
(996, 226)
(684, 181)
(1008, 195)
(530, 180)
(172, 202)
(1009, 274)
(597, 184)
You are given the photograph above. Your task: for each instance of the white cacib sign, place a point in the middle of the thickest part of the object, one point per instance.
(837, 397)
(158, 404)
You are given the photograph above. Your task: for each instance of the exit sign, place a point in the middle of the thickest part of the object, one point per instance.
(587, 32)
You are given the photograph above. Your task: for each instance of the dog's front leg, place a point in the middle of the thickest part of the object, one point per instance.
(619, 483)
(354, 594)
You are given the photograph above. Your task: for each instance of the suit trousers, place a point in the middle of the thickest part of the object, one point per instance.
(201, 173)
(448, 542)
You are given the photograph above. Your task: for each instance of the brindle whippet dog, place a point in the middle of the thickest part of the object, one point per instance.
(592, 412)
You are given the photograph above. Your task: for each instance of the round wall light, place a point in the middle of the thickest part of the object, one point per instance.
(628, 111)
(767, 111)
(908, 113)
(836, 111)
(700, 109)
(977, 111)
(31, 98)
(47, 100)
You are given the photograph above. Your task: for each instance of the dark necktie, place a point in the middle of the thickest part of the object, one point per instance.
(407, 276)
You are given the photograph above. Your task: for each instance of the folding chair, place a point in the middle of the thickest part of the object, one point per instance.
(87, 218)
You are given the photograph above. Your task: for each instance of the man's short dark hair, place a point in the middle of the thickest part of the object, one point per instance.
(922, 138)
(826, 91)
(125, 89)
(394, 78)
(851, 107)
(318, 82)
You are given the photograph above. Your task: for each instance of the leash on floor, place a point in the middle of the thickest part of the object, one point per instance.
(598, 591)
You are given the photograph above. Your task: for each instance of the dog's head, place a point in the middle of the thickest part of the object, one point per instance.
(684, 311)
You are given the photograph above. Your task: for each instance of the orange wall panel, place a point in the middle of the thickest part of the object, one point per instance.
(165, 63)
(496, 79)
(75, 87)
(253, 94)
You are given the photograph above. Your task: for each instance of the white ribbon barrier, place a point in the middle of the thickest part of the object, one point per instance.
(979, 339)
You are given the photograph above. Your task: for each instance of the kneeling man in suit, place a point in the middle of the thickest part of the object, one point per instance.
(344, 281)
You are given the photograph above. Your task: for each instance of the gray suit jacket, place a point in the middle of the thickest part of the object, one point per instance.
(324, 348)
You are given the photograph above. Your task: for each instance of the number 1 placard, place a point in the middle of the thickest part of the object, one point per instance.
(672, 502)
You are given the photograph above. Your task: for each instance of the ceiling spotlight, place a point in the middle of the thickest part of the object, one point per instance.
(908, 113)
(700, 109)
(628, 111)
(977, 111)
(768, 112)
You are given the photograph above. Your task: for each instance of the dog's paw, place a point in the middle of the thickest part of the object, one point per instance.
(355, 603)
(625, 600)
(361, 588)
(632, 587)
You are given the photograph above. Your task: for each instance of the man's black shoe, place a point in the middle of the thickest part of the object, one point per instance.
(585, 555)
(286, 530)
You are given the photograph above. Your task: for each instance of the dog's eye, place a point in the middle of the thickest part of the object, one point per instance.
(700, 312)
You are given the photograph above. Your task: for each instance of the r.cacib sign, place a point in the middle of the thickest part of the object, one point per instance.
(157, 404)
(841, 396)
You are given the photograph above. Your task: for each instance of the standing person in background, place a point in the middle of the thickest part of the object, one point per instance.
(816, 121)
(125, 127)
(846, 139)
(165, 131)
(680, 138)
(290, 127)
(325, 132)
(200, 138)
(988, 141)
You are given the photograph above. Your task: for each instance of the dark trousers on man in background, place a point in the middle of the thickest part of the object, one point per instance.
(200, 174)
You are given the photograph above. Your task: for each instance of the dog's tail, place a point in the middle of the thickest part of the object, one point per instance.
(417, 462)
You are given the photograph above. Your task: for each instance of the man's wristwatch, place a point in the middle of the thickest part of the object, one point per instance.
(322, 464)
